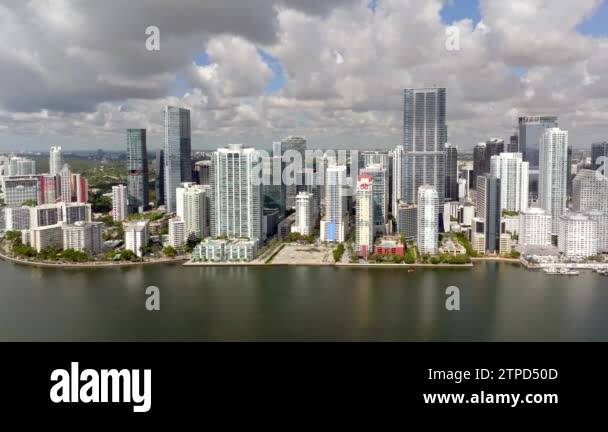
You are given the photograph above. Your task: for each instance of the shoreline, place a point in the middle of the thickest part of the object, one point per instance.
(337, 265)
(89, 265)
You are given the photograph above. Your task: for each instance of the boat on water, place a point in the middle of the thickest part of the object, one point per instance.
(561, 271)
(602, 272)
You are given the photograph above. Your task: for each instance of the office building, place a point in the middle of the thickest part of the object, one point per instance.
(513, 146)
(333, 225)
(137, 236)
(236, 200)
(159, 183)
(488, 209)
(425, 135)
(202, 170)
(428, 232)
(178, 149)
(451, 172)
(514, 177)
(598, 150)
(553, 174)
(138, 195)
(380, 194)
(298, 144)
(407, 220)
(119, 203)
(364, 225)
(531, 130)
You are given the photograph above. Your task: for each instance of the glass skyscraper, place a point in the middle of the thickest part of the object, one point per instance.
(137, 170)
(159, 184)
(178, 149)
(424, 138)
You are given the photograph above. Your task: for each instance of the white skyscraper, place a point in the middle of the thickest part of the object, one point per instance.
(236, 200)
(55, 160)
(398, 177)
(136, 236)
(191, 208)
(65, 183)
(20, 166)
(333, 225)
(364, 229)
(304, 214)
(553, 176)
(601, 218)
(534, 227)
(428, 235)
(577, 235)
(514, 177)
(119, 203)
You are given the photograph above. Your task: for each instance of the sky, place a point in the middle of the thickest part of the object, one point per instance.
(77, 74)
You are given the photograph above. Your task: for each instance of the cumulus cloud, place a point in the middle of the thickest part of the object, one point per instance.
(79, 69)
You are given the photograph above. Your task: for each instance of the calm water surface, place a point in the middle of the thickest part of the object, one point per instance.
(499, 302)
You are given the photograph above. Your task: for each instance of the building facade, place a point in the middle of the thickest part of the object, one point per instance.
(137, 171)
(177, 154)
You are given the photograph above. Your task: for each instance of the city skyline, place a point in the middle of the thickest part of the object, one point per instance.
(239, 72)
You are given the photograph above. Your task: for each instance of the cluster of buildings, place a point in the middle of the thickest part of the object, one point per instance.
(51, 209)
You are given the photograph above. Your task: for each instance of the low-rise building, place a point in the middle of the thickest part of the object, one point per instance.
(389, 247)
(220, 250)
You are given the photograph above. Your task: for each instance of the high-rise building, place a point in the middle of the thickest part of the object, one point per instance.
(428, 232)
(451, 172)
(590, 191)
(79, 187)
(294, 143)
(398, 177)
(534, 227)
(44, 237)
(513, 175)
(601, 218)
(333, 225)
(83, 236)
(178, 149)
(17, 218)
(370, 157)
(364, 227)
(275, 190)
(553, 174)
(424, 138)
(19, 190)
(136, 236)
(137, 170)
(20, 166)
(119, 203)
(236, 200)
(531, 130)
(488, 209)
(177, 232)
(380, 194)
(577, 235)
(76, 212)
(46, 214)
(159, 184)
(191, 208)
(513, 146)
(597, 150)
(304, 214)
(55, 160)
(201, 170)
(65, 184)
(479, 159)
(407, 220)
(47, 189)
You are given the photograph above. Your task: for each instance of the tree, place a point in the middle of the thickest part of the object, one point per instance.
(127, 255)
(338, 252)
(170, 251)
(29, 203)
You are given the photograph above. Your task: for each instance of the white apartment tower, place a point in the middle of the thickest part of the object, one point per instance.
(577, 235)
(304, 223)
(236, 199)
(177, 233)
(513, 173)
(119, 203)
(534, 227)
(55, 160)
(136, 236)
(333, 227)
(191, 208)
(553, 176)
(428, 225)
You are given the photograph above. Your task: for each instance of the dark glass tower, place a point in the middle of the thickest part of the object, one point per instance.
(138, 195)
(451, 173)
(488, 196)
(598, 150)
(159, 167)
(424, 137)
(178, 149)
